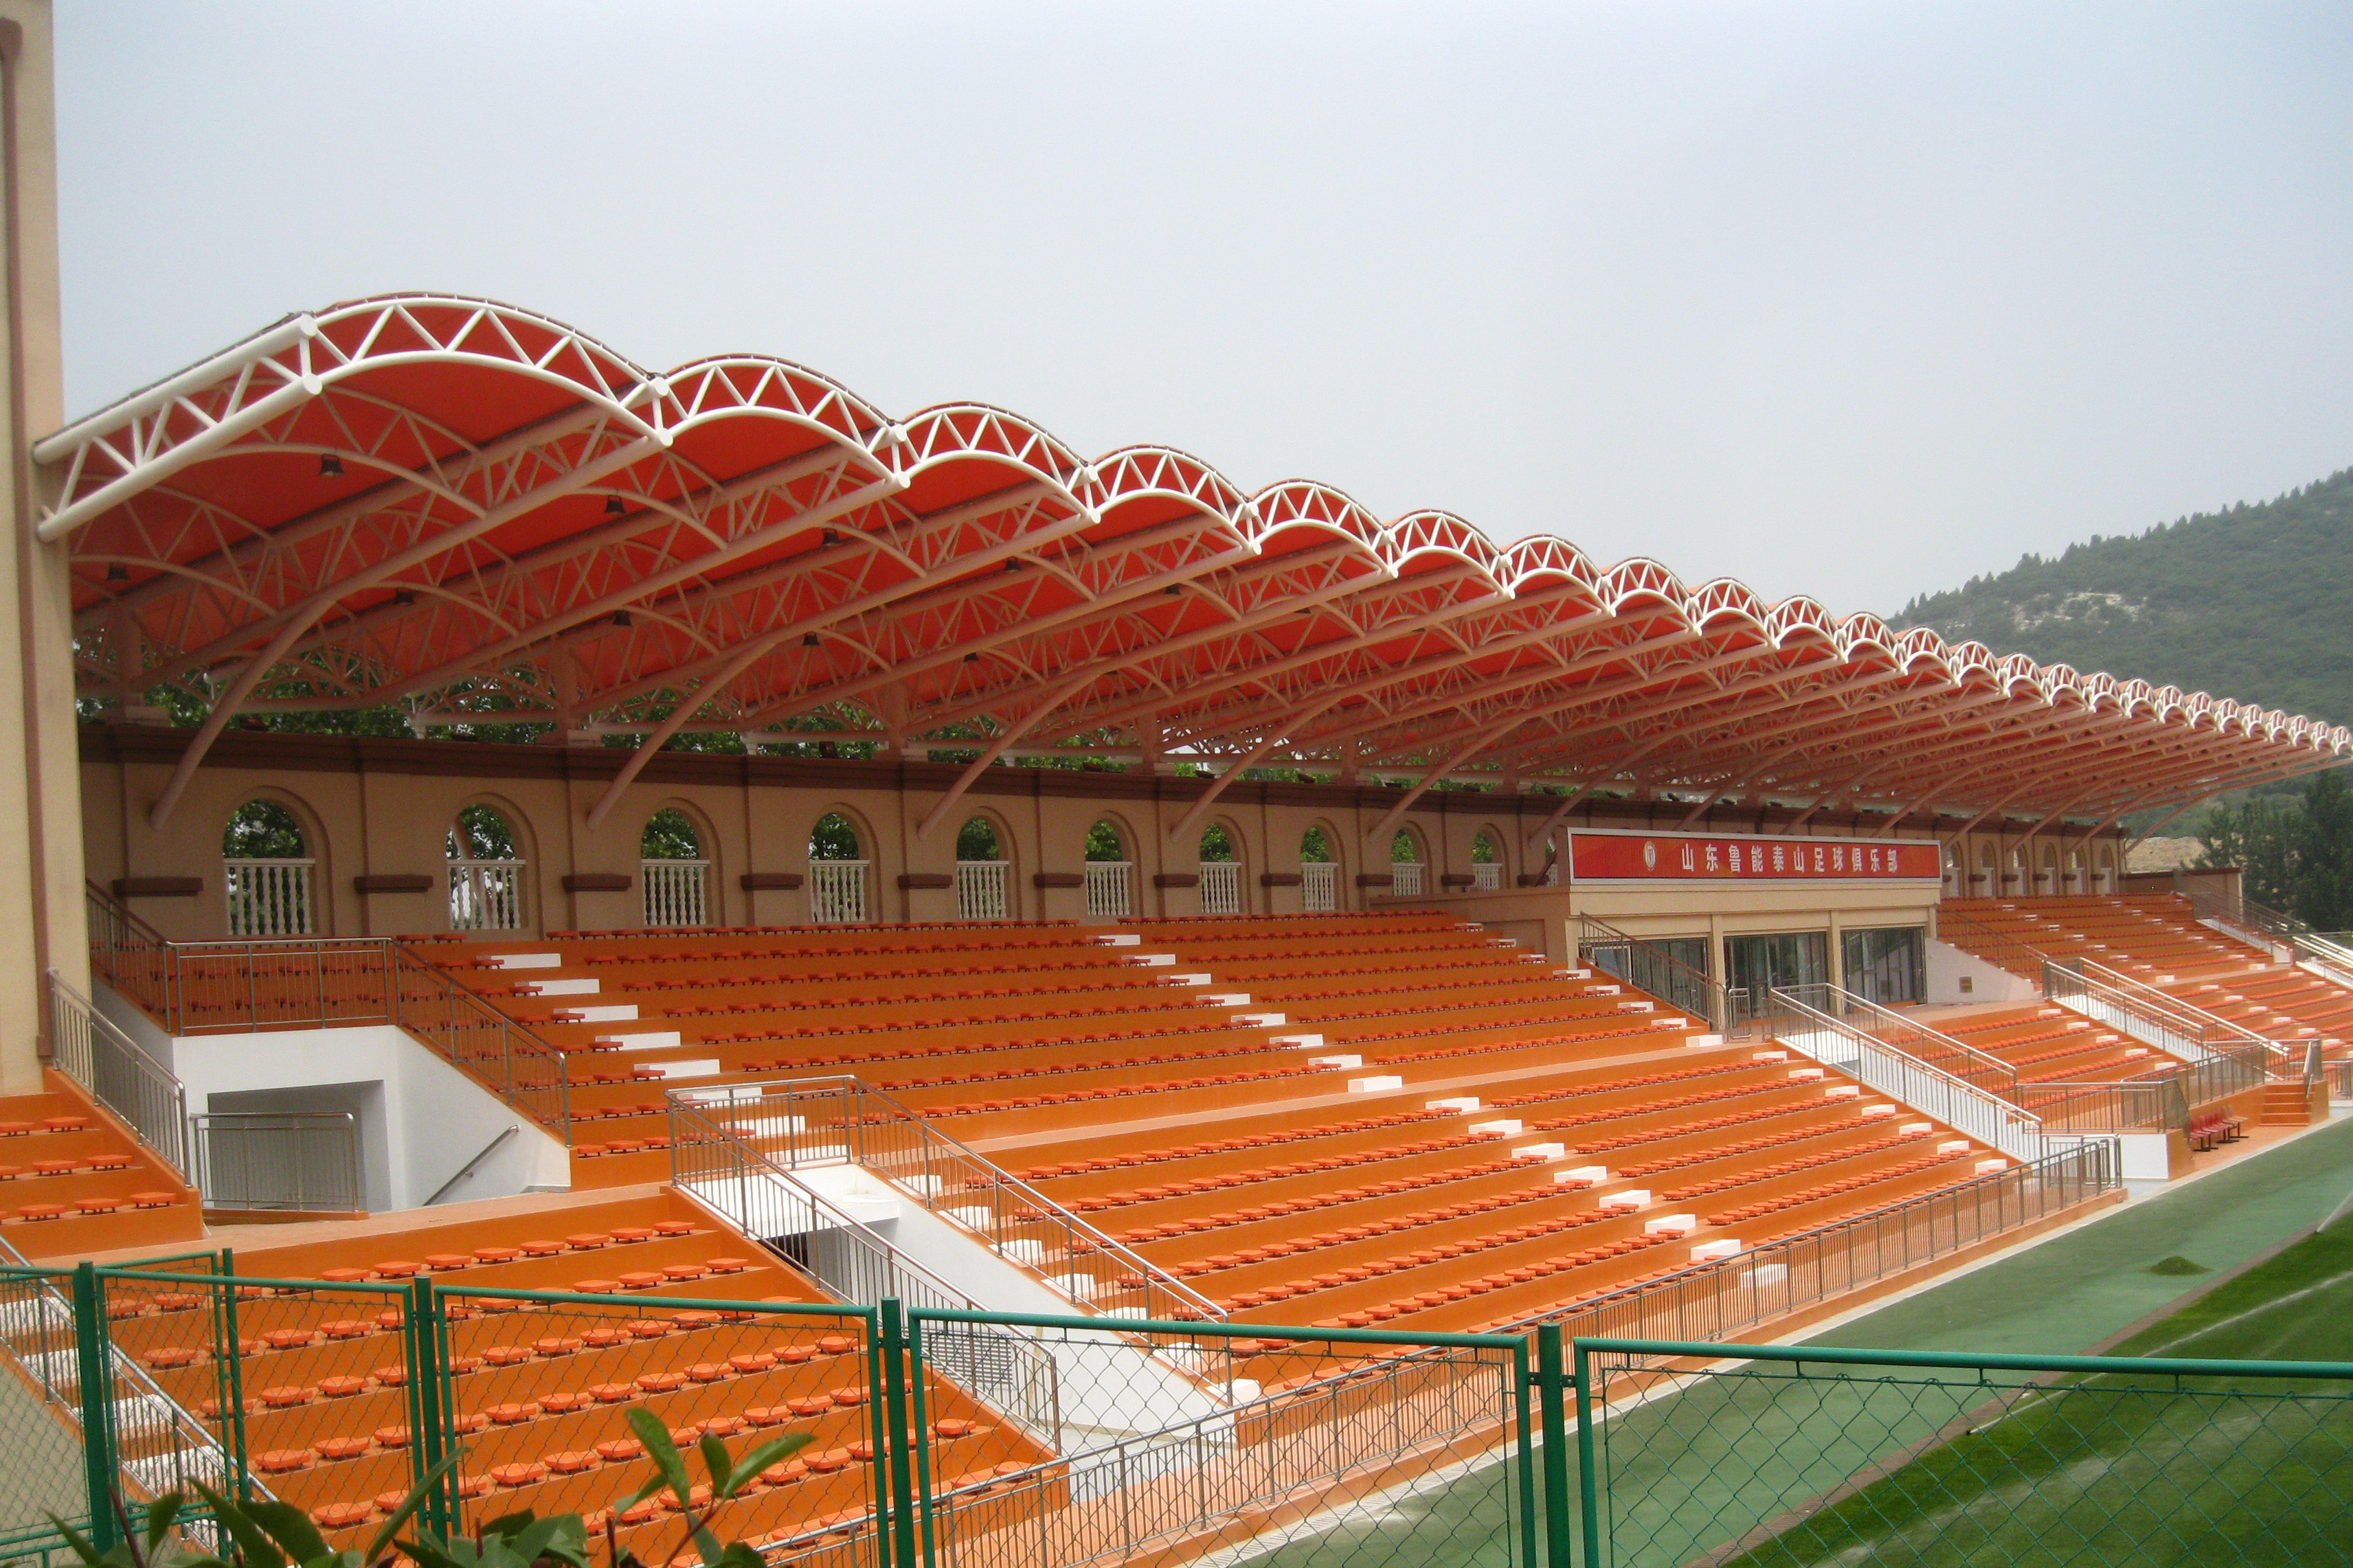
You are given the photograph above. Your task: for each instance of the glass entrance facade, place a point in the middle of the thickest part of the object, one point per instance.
(1758, 964)
(1886, 966)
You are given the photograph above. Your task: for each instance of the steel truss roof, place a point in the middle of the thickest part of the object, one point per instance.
(476, 511)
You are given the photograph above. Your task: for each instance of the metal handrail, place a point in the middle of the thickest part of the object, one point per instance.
(1810, 1023)
(1909, 1035)
(947, 1177)
(198, 987)
(455, 1021)
(228, 1176)
(2307, 945)
(2183, 1027)
(1653, 969)
(713, 1163)
(110, 1066)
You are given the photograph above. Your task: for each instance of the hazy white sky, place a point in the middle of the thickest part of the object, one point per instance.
(1846, 300)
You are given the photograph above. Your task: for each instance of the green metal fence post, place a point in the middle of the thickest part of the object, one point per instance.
(1551, 1381)
(875, 1400)
(1588, 1488)
(891, 1440)
(427, 1426)
(229, 1362)
(94, 1382)
(923, 1444)
(1524, 1382)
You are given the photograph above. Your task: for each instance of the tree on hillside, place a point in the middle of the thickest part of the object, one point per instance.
(2296, 857)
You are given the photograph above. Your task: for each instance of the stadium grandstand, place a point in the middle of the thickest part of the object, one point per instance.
(1123, 1006)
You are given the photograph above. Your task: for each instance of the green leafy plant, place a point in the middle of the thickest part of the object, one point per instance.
(263, 1533)
(728, 1478)
(267, 1534)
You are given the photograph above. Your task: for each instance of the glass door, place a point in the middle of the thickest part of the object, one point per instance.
(1776, 962)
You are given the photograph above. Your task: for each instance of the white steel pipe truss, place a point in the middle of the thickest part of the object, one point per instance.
(478, 514)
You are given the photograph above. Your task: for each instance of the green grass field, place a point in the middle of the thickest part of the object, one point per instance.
(2119, 1469)
(1700, 1476)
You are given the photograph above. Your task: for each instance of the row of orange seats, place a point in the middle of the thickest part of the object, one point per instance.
(1402, 1223)
(1229, 1145)
(1218, 1221)
(1834, 1189)
(1749, 1174)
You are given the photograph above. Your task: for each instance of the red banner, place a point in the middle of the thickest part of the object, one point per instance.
(1734, 857)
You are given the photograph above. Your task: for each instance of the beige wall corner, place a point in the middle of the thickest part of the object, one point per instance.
(40, 802)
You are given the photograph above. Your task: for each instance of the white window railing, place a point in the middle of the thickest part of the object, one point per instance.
(268, 898)
(1319, 887)
(981, 890)
(1221, 887)
(486, 895)
(1487, 877)
(674, 891)
(837, 891)
(1405, 879)
(1108, 882)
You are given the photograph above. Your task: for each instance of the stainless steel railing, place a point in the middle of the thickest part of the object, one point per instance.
(215, 987)
(1650, 968)
(831, 1121)
(716, 1159)
(295, 1160)
(116, 1073)
(1811, 1019)
(2245, 917)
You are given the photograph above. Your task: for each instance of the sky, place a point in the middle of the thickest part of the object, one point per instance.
(1849, 300)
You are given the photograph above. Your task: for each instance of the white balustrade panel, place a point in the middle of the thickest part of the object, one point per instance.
(1221, 888)
(486, 895)
(268, 898)
(675, 891)
(982, 890)
(1487, 879)
(1108, 884)
(1319, 887)
(1405, 879)
(837, 891)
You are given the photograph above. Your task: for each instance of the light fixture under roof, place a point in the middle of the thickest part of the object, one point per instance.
(615, 506)
(621, 619)
(330, 466)
(116, 572)
(810, 639)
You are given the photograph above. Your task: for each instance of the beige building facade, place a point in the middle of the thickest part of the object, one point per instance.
(376, 818)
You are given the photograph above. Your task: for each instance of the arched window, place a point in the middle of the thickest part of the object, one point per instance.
(482, 833)
(1109, 876)
(977, 840)
(672, 868)
(834, 838)
(1221, 872)
(837, 872)
(1406, 865)
(486, 871)
(1486, 862)
(263, 830)
(982, 890)
(265, 872)
(1319, 873)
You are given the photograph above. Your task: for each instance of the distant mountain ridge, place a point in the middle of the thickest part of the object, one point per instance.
(2255, 603)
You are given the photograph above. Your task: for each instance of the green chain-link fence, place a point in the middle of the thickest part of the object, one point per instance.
(936, 1438)
(1802, 1456)
(948, 1440)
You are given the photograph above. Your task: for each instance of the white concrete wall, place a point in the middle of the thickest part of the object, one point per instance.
(1947, 966)
(421, 1119)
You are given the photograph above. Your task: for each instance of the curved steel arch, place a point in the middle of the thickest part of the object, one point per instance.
(448, 501)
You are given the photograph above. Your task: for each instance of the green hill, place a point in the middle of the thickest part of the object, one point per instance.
(2255, 603)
